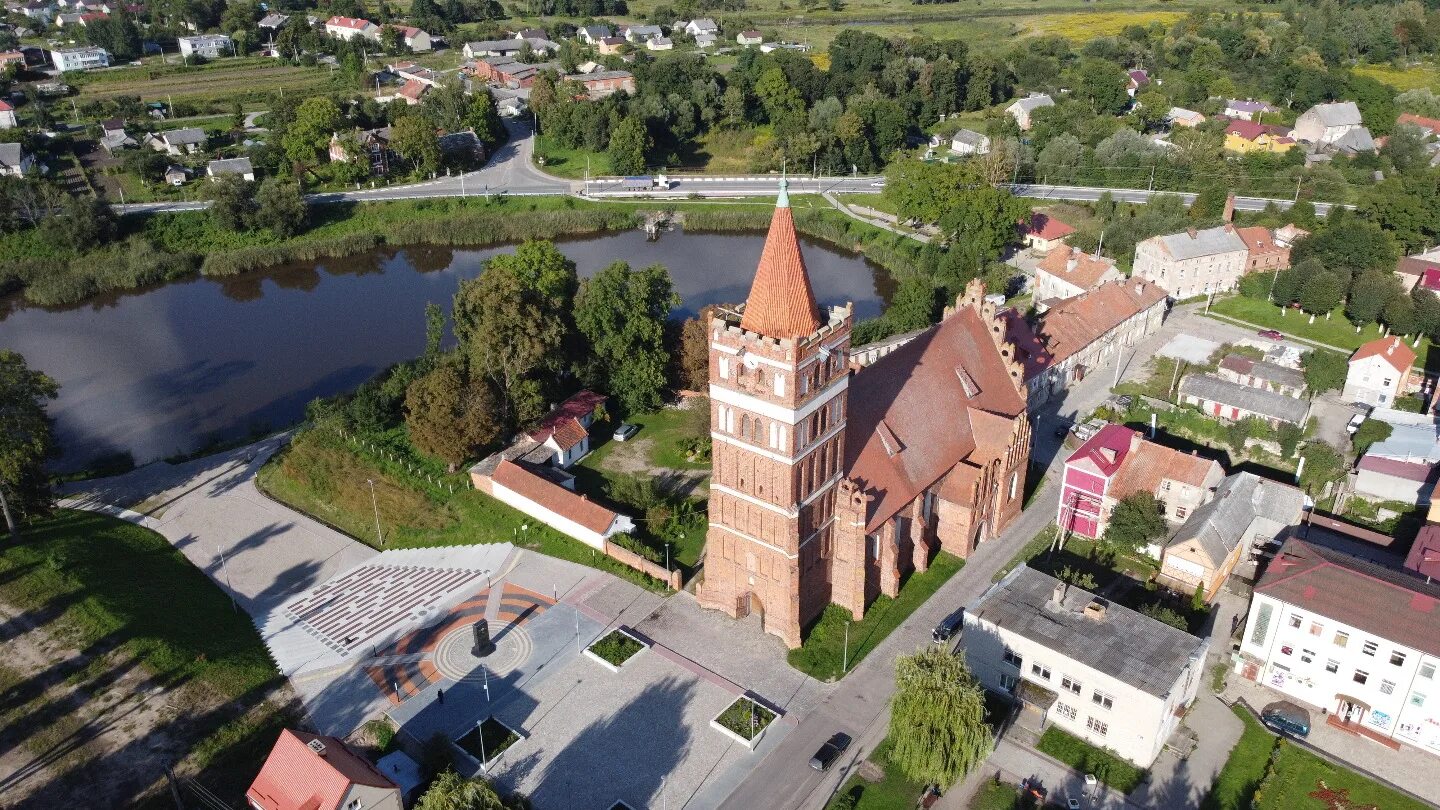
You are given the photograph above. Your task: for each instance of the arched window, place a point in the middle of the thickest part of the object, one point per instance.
(744, 425)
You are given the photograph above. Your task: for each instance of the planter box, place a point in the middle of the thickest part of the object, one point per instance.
(750, 744)
(736, 737)
(614, 667)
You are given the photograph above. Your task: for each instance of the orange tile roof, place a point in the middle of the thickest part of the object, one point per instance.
(1087, 272)
(781, 303)
(569, 433)
(1259, 240)
(1150, 463)
(296, 777)
(553, 497)
(1432, 124)
(1074, 323)
(1044, 226)
(1395, 351)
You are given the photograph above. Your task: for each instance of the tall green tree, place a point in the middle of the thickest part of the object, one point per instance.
(449, 415)
(280, 208)
(25, 440)
(232, 202)
(451, 791)
(630, 142)
(1325, 370)
(413, 138)
(1322, 293)
(621, 313)
(1369, 295)
(1136, 519)
(316, 119)
(937, 718)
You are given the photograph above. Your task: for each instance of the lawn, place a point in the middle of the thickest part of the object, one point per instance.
(570, 163)
(995, 795)
(1298, 773)
(1086, 758)
(1409, 78)
(1085, 26)
(326, 477)
(111, 585)
(822, 653)
(212, 87)
(1235, 787)
(1336, 331)
(487, 740)
(879, 202)
(894, 792)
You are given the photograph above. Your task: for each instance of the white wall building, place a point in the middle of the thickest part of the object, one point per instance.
(1325, 124)
(555, 506)
(67, 59)
(207, 46)
(347, 28)
(1022, 109)
(1349, 636)
(1378, 371)
(1194, 262)
(1104, 673)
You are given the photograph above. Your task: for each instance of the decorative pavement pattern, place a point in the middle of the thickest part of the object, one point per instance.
(364, 603)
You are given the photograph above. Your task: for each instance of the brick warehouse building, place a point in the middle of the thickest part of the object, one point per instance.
(830, 484)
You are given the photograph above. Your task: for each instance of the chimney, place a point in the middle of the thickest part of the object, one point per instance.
(1057, 596)
(1135, 439)
(1071, 263)
(1192, 232)
(317, 746)
(1095, 611)
(1229, 207)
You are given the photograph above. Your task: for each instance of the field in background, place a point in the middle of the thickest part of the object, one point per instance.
(1409, 78)
(250, 81)
(1084, 25)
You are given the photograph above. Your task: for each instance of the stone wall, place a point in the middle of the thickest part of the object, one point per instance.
(630, 559)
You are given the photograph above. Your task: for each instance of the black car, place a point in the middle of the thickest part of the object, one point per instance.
(828, 752)
(947, 628)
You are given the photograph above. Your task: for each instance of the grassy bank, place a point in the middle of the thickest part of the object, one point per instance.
(110, 589)
(325, 476)
(892, 792)
(1335, 331)
(822, 654)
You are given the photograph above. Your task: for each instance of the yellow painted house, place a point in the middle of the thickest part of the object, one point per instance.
(1247, 136)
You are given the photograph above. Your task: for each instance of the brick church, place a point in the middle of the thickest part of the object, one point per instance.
(832, 482)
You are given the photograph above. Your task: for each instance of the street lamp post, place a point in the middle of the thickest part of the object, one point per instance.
(845, 658)
(374, 504)
(667, 556)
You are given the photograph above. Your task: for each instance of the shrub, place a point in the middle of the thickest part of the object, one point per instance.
(616, 647)
(1107, 766)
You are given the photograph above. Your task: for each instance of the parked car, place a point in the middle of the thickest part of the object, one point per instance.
(1284, 717)
(878, 184)
(1273, 334)
(1355, 422)
(948, 627)
(830, 751)
(625, 431)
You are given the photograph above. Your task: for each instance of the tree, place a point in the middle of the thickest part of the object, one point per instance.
(82, 223)
(1369, 295)
(451, 791)
(280, 208)
(630, 142)
(25, 440)
(1102, 84)
(1059, 159)
(1210, 202)
(1288, 436)
(693, 363)
(316, 119)
(937, 718)
(622, 312)
(485, 120)
(449, 416)
(232, 203)
(1370, 432)
(1400, 315)
(1136, 519)
(1323, 464)
(414, 139)
(1160, 613)
(434, 331)
(1322, 293)
(1325, 371)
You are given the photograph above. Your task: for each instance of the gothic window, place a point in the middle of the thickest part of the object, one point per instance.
(744, 425)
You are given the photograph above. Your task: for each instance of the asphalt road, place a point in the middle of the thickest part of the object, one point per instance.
(512, 171)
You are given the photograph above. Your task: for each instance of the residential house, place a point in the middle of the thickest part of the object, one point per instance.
(506, 72)
(659, 44)
(374, 144)
(72, 20)
(237, 166)
(1422, 269)
(39, 10)
(1246, 514)
(176, 175)
(347, 28)
(7, 115)
(416, 39)
(1334, 127)
(1232, 401)
(83, 58)
(831, 486)
(1430, 126)
(510, 107)
(1118, 462)
(413, 72)
(206, 46)
(704, 41)
(641, 33)
(463, 146)
(272, 23)
(1078, 336)
(15, 161)
(565, 431)
(611, 45)
(1115, 678)
(530, 33)
(178, 142)
(507, 47)
(1413, 437)
(113, 136)
(1264, 252)
(703, 25)
(1068, 273)
(1022, 109)
(1135, 81)
(1247, 136)
(1043, 233)
(970, 142)
(1247, 109)
(1262, 374)
(1391, 479)
(592, 34)
(1424, 556)
(1378, 371)
(551, 500)
(1196, 262)
(1288, 235)
(1356, 640)
(604, 83)
(14, 59)
(751, 37)
(1181, 117)
(307, 771)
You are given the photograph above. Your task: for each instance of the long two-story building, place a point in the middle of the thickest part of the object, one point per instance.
(1196, 262)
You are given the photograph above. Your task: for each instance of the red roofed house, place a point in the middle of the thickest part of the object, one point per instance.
(1358, 639)
(1136, 81)
(1044, 233)
(1118, 462)
(1248, 136)
(565, 431)
(556, 505)
(7, 116)
(1068, 273)
(1422, 269)
(1424, 556)
(1089, 331)
(311, 772)
(1378, 371)
(347, 28)
(1430, 125)
(1266, 254)
(414, 38)
(831, 485)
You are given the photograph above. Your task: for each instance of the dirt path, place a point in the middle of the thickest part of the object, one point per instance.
(633, 457)
(86, 728)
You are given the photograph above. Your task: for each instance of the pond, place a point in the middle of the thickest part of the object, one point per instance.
(165, 370)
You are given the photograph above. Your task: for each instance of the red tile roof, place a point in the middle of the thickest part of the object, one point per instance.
(5, 107)
(897, 446)
(1396, 468)
(1087, 271)
(1259, 240)
(1392, 349)
(1029, 349)
(1074, 323)
(565, 418)
(1107, 449)
(349, 22)
(781, 302)
(1432, 124)
(1393, 604)
(1415, 266)
(1044, 226)
(414, 89)
(296, 777)
(553, 497)
(1424, 557)
(1134, 464)
(1249, 130)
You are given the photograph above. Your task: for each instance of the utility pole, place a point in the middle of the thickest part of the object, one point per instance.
(845, 658)
(1151, 187)
(1297, 189)
(374, 504)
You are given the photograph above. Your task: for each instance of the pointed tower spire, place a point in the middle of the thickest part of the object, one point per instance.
(781, 303)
